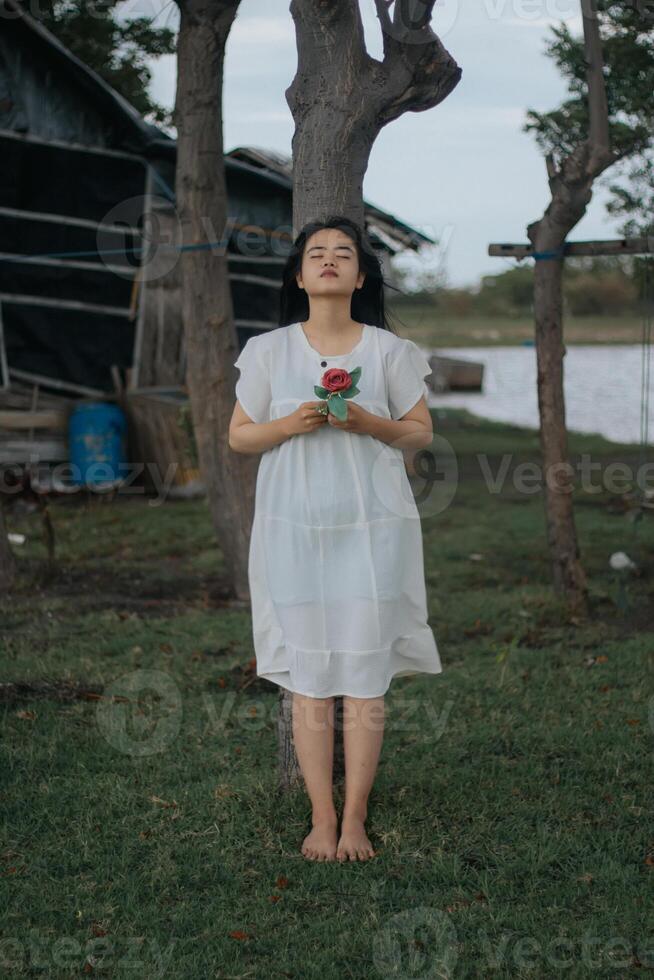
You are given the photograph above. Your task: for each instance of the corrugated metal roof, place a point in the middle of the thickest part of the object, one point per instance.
(389, 229)
(138, 133)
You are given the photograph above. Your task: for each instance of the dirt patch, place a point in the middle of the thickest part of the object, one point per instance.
(128, 590)
(47, 690)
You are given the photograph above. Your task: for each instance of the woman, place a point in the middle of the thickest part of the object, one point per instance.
(336, 564)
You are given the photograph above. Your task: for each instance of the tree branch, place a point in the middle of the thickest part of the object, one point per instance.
(417, 71)
(411, 21)
(598, 113)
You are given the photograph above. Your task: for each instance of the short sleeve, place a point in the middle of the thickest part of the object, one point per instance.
(407, 368)
(253, 389)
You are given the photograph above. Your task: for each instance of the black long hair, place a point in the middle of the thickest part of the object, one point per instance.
(367, 302)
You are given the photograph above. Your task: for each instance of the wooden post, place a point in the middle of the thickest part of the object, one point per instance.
(7, 560)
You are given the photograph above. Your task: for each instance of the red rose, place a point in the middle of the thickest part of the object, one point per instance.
(336, 379)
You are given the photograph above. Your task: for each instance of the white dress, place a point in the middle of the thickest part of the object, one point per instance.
(336, 569)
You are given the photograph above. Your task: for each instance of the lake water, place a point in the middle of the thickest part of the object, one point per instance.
(602, 385)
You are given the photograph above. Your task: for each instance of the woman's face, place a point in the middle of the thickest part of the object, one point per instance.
(330, 251)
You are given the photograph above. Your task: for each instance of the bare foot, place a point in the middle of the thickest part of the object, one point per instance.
(354, 844)
(320, 843)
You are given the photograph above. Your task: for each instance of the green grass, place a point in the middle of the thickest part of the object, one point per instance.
(512, 805)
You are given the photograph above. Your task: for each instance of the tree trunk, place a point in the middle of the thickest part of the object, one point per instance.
(568, 574)
(341, 98)
(571, 186)
(211, 339)
(7, 560)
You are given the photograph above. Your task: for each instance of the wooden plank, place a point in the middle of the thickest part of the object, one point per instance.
(43, 419)
(255, 280)
(619, 246)
(18, 299)
(141, 297)
(63, 219)
(26, 451)
(270, 259)
(74, 147)
(4, 367)
(124, 270)
(57, 383)
(20, 395)
(121, 269)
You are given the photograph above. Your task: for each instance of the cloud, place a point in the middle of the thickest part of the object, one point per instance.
(266, 116)
(493, 116)
(263, 30)
(574, 22)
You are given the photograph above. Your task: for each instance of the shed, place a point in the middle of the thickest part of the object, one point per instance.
(82, 173)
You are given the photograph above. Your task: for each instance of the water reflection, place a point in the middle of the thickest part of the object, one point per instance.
(602, 385)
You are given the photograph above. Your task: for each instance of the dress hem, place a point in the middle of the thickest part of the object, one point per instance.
(294, 668)
(350, 694)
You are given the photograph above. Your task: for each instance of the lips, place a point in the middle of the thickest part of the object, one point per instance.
(328, 273)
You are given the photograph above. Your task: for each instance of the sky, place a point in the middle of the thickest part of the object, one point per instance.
(463, 172)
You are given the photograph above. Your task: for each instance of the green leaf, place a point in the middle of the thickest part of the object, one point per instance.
(350, 392)
(338, 407)
(321, 392)
(355, 375)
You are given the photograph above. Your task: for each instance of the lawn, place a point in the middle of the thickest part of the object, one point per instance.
(142, 830)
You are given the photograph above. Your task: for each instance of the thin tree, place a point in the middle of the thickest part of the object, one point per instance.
(582, 139)
(207, 311)
(341, 98)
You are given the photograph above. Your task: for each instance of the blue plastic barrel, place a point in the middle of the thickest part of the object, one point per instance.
(97, 435)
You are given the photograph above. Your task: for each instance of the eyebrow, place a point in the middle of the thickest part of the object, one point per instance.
(337, 246)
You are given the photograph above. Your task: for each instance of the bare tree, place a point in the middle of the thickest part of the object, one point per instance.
(571, 186)
(341, 98)
(210, 333)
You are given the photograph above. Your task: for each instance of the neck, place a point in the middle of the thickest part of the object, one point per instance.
(329, 316)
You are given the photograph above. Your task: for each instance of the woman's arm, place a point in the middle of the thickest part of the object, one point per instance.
(246, 436)
(413, 431)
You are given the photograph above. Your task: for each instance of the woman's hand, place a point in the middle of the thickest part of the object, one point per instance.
(358, 419)
(304, 419)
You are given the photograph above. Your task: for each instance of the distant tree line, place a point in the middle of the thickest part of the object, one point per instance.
(592, 286)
